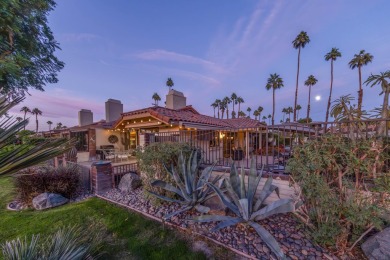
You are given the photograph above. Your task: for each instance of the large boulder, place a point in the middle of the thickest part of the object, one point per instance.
(215, 204)
(48, 200)
(378, 246)
(129, 182)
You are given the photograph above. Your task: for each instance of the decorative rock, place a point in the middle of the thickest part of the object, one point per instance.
(15, 205)
(214, 203)
(129, 182)
(378, 246)
(48, 200)
(285, 228)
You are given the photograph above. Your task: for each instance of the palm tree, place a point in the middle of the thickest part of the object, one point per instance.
(218, 103)
(215, 105)
(298, 109)
(37, 113)
(156, 98)
(289, 111)
(233, 98)
(241, 114)
(19, 118)
(249, 111)
(300, 42)
(358, 61)
(264, 118)
(332, 56)
(239, 101)
(59, 125)
(284, 111)
(222, 107)
(49, 123)
(256, 113)
(274, 82)
(25, 110)
(311, 81)
(381, 79)
(260, 109)
(227, 101)
(233, 114)
(170, 83)
(269, 118)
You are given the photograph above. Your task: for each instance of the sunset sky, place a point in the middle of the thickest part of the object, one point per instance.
(127, 49)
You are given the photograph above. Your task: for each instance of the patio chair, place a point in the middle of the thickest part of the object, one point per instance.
(109, 155)
(123, 156)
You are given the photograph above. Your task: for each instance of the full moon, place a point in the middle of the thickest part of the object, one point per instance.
(318, 98)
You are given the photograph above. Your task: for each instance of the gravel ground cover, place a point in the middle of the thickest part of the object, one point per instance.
(284, 227)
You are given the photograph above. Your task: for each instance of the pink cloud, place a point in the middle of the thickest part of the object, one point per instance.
(180, 58)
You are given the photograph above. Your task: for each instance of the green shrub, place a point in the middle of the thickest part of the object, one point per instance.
(340, 188)
(64, 180)
(151, 160)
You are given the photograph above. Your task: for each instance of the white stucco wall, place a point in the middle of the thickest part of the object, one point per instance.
(102, 138)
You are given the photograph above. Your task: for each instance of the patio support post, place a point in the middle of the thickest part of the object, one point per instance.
(247, 145)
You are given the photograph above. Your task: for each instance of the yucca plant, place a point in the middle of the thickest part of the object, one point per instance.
(191, 185)
(241, 199)
(67, 243)
(19, 249)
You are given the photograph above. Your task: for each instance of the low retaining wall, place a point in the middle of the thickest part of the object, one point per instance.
(172, 225)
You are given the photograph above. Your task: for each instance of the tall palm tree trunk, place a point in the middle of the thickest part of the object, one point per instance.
(360, 94)
(385, 113)
(218, 112)
(296, 88)
(36, 121)
(24, 118)
(227, 113)
(214, 112)
(273, 106)
(239, 109)
(284, 114)
(308, 106)
(233, 105)
(330, 94)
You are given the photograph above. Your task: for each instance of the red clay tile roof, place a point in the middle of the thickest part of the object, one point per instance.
(189, 115)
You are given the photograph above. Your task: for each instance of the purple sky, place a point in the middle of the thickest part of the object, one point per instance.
(126, 50)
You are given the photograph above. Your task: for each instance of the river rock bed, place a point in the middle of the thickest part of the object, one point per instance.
(284, 227)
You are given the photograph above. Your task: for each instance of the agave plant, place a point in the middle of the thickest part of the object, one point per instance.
(191, 186)
(241, 199)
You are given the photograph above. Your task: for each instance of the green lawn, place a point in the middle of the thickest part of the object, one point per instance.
(128, 235)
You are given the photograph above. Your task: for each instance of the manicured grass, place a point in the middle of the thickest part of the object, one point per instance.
(128, 235)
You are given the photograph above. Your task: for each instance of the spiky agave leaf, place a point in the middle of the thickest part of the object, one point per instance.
(268, 239)
(276, 207)
(167, 186)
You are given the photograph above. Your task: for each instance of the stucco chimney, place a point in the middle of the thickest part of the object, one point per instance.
(85, 117)
(114, 109)
(175, 99)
